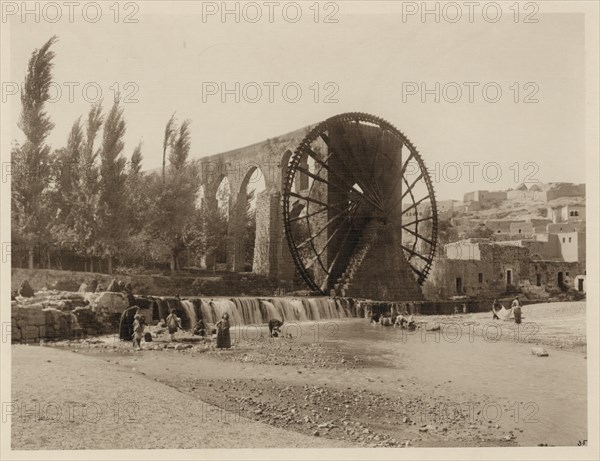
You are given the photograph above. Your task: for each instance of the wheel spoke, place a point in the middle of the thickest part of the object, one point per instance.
(412, 185)
(415, 253)
(408, 191)
(418, 272)
(341, 189)
(319, 253)
(334, 261)
(415, 204)
(298, 218)
(351, 187)
(417, 221)
(325, 247)
(403, 170)
(417, 235)
(310, 239)
(310, 199)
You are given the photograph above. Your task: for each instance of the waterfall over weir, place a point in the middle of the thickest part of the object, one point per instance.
(246, 311)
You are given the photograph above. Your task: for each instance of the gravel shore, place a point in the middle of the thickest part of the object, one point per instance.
(364, 386)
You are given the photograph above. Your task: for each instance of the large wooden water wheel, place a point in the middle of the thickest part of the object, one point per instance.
(359, 209)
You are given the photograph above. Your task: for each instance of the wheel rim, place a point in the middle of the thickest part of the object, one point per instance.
(349, 172)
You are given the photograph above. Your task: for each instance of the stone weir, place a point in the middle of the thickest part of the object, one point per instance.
(53, 315)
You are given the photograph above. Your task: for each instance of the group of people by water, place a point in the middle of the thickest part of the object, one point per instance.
(406, 321)
(133, 324)
(402, 320)
(499, 312)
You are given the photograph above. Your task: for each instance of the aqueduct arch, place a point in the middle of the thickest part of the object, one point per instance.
(269, 159)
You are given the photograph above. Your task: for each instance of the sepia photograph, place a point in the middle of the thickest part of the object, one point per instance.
(299, 230)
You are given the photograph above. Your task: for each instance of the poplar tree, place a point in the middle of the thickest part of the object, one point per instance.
(30, 161)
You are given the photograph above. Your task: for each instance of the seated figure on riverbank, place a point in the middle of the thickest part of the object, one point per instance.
(275, 328)
(405, 321)
(200, 328)
(386, 320)
(375, 317)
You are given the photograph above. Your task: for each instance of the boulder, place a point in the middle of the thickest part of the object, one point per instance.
(83, 288)
(113, 286)
(109, 302)
(92, 285)
(86, 318)
(25, 290)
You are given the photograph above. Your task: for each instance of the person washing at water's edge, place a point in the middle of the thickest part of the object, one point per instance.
(495, 308)
(200, 328)
(173, 323)
(275, 328)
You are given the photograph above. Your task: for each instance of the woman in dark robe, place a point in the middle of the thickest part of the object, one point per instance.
(223, 336)
(126, 323)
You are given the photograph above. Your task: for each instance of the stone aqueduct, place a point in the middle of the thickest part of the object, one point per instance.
(267, 159)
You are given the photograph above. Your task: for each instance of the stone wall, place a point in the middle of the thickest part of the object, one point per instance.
(208, 284)
(487, 278)
(65, 315)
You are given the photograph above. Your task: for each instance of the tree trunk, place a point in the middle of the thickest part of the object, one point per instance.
(30, 259)
(173, 262)
(48, 259)
(92, 264)
(110, 261)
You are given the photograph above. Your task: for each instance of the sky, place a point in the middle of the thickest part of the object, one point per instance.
(373, 59)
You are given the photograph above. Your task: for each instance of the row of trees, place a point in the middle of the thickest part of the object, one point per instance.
(92, 202)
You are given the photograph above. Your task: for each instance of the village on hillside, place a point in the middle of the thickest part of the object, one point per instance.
(528, 240)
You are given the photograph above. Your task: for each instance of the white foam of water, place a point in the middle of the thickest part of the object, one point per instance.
(191, 312)
(244, 311)
(272, 311)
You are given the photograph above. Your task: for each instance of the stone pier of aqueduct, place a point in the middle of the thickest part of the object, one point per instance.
(242, 167)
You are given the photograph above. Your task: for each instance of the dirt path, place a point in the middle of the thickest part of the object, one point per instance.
(65, 400)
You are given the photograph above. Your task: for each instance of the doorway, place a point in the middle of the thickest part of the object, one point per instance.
(508, 277)
(459, 286)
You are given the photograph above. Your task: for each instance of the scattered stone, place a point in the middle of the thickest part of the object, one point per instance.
(539, 351)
